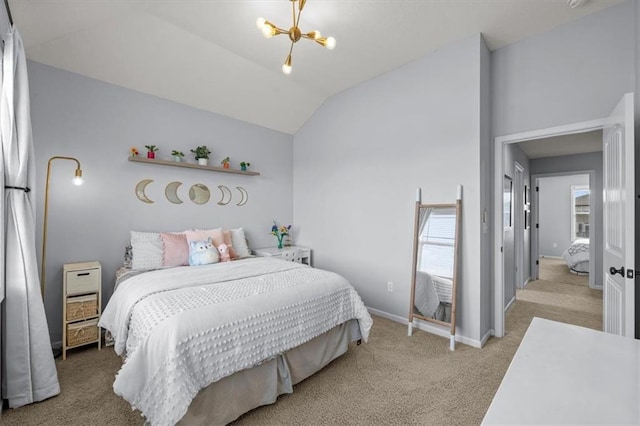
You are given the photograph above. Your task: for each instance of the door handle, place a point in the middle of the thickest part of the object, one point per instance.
(614, 271)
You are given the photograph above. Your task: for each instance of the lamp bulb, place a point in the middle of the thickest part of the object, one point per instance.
(260, 23)
(316, 35)
(286, 69)
(331, 43)
(77, 180)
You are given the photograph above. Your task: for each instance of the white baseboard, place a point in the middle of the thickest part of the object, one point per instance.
(513, 299)
(486, 336)
(551, 257)
(430, 328)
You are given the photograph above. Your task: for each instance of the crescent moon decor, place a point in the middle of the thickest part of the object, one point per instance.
(224, 191)
(140, 191)
(171, 192)
(244, 196)
(199, 193)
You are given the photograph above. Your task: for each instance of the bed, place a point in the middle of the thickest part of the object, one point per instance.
(205, 344)
(577, 256)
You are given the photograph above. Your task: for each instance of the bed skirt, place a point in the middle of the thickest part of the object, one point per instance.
(229, 398)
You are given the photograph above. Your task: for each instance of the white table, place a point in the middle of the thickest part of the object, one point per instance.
(572, 375)
(276, 252)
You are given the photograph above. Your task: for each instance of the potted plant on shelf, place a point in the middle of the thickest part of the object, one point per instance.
(151, 151)
(177, 155)
(202, 154)
(244, 165)
(225, 163)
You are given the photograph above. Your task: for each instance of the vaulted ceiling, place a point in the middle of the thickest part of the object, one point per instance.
(210, 55)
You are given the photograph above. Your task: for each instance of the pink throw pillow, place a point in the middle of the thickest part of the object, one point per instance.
(176, 249)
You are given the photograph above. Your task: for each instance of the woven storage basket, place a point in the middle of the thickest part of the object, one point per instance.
(82, 332)
(82, 307)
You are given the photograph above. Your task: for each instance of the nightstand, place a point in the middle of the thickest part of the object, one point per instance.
(282, 253)
(81, 305)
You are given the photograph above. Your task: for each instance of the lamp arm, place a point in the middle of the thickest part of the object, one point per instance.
(46, 214)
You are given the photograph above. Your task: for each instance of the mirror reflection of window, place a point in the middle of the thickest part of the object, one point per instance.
(580, 211)
(437, 243)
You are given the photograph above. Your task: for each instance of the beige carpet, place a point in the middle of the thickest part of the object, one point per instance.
(556, 270)
(392, 380)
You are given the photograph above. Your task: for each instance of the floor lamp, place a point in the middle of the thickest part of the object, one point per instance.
(77, 180)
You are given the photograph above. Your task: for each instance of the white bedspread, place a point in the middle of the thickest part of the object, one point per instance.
(184, 328)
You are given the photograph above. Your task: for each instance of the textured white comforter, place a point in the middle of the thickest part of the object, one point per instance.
(184, 328)
(577, 253)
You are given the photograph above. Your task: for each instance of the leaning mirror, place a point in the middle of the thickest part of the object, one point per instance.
(434, 270)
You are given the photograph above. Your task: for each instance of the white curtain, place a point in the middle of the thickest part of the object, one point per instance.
(28, 368)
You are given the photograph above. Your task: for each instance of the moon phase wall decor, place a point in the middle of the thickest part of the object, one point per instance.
(198, 193)
(244, 196)
(140, 191)
(225, 191)
(171, 192)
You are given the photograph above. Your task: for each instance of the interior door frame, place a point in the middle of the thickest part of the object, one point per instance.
(498, 241)
(535, 231)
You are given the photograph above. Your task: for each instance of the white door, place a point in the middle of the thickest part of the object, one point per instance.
(619, 230)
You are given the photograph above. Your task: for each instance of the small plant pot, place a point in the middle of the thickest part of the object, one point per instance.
(151, 155)
(225, 165)
(243, 168)
(203, 161)
(177, 158)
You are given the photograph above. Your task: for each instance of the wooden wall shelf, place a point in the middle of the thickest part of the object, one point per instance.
(191, 166)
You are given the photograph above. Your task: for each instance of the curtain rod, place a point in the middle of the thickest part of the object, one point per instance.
(6, 3)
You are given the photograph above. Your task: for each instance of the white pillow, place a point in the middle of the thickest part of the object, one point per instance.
(239, 242)
(148, 250)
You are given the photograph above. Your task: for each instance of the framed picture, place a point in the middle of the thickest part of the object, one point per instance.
(527, 195)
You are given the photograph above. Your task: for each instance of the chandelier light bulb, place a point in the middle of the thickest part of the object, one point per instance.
(331, 43)
(268, 31)
(315, 34)
(286, 67)
(260, 23)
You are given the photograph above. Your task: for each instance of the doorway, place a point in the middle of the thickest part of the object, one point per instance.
(499, 258)
(566, 226)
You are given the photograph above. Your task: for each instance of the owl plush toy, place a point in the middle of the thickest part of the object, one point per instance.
(202, 253)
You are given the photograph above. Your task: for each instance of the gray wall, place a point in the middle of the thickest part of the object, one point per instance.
(486, 192)
(580, 163)
(360, 158)
(573, 73)
(98, 123)
(554, 202)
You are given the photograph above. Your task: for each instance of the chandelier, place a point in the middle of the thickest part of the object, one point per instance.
(269, 30)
